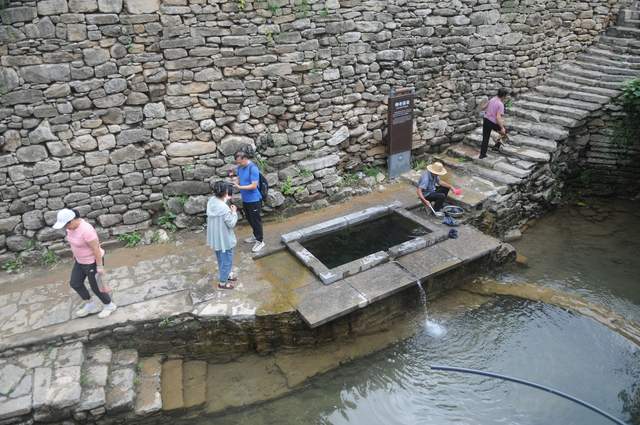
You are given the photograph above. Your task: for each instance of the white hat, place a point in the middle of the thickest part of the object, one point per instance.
(64, 217)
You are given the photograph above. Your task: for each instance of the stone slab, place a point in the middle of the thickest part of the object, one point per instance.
(14, 407)
(194, 381)
(429, 262)
(172, 385)
(149, 398)
(470, 245)
(321, 304)
(381, 282)
(120, 390)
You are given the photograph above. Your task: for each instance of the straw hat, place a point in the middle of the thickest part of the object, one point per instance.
(437, 168)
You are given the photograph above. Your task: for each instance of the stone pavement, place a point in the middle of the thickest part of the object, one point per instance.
(162, 280)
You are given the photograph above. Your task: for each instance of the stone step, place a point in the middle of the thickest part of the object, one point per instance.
(543, 145)
(95, 372)
(172, 385)
(194, 382)
(148, 390)
(606, 57)
(584, 81)
(517, 152)
(623, 51)
(544, 131)
(475, 190)
(625, 46)
(470, 168)
(606, 66)
(582, 92)
(564, 102)
(120, 393)
(563, 111)
(541, 117)
(494, 160)
(573, 91)
(57, 387)
(575, 69)
(624, 32)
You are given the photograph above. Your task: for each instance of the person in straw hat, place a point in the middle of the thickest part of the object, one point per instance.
(432, 189)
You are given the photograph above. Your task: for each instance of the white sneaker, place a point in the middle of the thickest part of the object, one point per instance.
(252, 239)
(87, 309)
(258, 246)
(107, 310)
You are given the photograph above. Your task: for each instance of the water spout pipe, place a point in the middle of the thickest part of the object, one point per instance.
(530, 384)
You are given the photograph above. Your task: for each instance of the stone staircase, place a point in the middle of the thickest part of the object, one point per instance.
(539, 123)
(87, 384)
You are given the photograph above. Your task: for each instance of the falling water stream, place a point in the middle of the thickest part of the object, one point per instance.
(574, 251)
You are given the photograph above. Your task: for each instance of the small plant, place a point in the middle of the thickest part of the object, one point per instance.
(188, 168)
(13, 266)
(274, 8)
(166, 322)
(242, 4)
(324, 12)
(627, 129)
(349, 179)
(461, 159)
(371, 171)
(182, 200)
(303, 7)
(419, 164)
(287, 188)
(49, 258)
(306, 173)
(31, 245)
(261, 163)
(130, 239)
(167, 221)
(269, 35)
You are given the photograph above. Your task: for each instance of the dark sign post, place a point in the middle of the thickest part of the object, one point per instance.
(400, 130)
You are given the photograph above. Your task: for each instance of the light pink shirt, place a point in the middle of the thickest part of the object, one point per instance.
(79, 239)
(494, 107)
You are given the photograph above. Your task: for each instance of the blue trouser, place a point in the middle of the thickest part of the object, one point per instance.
(225, 262)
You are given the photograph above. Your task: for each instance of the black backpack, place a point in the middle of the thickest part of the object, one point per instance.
(263, 184)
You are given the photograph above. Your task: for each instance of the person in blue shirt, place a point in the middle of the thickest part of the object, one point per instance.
(432, 189)
(247, 181)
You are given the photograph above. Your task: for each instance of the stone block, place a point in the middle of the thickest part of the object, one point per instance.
(128, 153)
(83, 6)
(135, 216)
(110, 6)
(319, 304)
(291, 236)
(319, 163)
(137, 7)
(121, 390)
(15, 407)
(187, 149)
(381, 282)
(8, 224)
(323, 228)
(84, 143)
(13, 14)
(33, 220)
(33, 153)
(187, 187)
(52, 7)
(407, 247)
(231, 144)
(134, 135)
(45, 74)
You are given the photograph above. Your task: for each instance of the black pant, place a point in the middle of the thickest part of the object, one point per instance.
(252, 214)
(81, 272)
(437, 197)
(487, 127)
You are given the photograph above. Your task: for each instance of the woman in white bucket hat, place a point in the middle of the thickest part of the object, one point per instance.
(88, 256)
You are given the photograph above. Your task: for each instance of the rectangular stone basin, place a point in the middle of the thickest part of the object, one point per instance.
(347, 245)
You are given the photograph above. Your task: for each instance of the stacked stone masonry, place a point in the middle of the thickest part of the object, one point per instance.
(561, 129)
(124, 108)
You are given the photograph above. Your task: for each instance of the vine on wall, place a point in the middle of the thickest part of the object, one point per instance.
(627, 129)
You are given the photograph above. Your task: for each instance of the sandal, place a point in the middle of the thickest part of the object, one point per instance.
(225, 285)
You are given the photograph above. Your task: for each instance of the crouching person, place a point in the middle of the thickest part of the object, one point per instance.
(221, 219)
(88, 264)
(431, 190)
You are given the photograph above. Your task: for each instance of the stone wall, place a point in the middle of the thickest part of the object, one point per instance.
(116, 107)
(607, 166)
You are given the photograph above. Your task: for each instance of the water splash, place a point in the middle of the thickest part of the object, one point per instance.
(433, 329)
